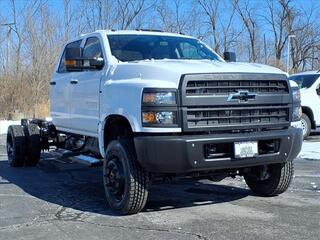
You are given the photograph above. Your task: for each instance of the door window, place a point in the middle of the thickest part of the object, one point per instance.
(92, 48)
(62, 64)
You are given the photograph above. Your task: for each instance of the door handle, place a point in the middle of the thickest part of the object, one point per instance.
(53, 83)
(74, 81)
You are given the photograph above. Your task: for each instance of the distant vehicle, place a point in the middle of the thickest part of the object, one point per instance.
(309, 84)
(154, 106)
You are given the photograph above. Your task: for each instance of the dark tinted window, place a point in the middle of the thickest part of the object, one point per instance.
(92, 49)
(62, 65)
(305, 81)
(140, 47)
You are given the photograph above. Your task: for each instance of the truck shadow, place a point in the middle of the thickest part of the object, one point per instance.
(81, 188)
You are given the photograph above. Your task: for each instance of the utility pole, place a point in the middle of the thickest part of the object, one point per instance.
(288, 58)
(8, 41)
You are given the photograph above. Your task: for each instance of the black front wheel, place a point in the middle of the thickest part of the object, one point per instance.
(125, 182)
(270, 180)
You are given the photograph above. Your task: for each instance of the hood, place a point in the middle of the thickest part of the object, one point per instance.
(171, 70)
(207, 66)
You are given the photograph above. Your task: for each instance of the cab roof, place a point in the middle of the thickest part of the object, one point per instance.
(307, 73)
(139, 32)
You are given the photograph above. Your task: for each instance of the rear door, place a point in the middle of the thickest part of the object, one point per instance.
(85, 92)
(60, 92)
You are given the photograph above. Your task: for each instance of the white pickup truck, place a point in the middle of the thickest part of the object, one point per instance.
(309, 84)
(155, 106)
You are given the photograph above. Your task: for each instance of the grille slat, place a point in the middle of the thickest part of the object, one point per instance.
(218, 87)
(246, 116)
(234, 117)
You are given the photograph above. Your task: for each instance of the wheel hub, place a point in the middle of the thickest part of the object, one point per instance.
(304, 126)
(9, 151)
(114, 177)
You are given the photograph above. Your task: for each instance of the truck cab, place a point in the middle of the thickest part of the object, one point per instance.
(155, 105)
(309, 84)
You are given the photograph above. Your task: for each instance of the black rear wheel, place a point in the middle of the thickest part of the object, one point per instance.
(32, 133)
(16, 146)
(125, 182)
(270, 180)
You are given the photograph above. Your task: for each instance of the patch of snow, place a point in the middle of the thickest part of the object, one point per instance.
(4, 124)
(48, 119)
(310, 150)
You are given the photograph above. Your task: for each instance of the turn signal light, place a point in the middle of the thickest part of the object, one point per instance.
(149, 117)
(71, 63)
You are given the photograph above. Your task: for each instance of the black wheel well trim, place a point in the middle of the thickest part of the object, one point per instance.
(112, 131)
(308, 111)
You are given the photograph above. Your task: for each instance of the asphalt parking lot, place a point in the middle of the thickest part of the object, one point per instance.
(59, 200)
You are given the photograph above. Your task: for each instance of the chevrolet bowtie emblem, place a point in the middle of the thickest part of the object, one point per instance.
(242, 96)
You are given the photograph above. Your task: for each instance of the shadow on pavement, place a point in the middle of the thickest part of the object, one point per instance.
(81, 188)
(314, 137)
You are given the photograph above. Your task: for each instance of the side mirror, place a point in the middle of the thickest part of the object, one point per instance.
(76, 62)
(96, 63)
(229, 56)
(318, 91)
(73, 58)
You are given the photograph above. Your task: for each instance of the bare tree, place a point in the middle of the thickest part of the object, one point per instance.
(307, 40)
(128, 11)
(250, 21)
(280, 19)
(15, 28)
(174, 17)
(211, 9)
(68, 18)
(43, 49)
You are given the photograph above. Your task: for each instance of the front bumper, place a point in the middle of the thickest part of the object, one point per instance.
(181, 154)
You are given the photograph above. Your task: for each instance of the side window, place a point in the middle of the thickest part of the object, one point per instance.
(62, 65)
(92, 49)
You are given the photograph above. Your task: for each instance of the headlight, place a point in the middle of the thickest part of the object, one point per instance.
(296, 95)
(159, 118)
(159, 107)
(296, 114)
(159, 98)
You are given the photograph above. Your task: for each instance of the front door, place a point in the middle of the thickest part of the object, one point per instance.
(85, 87)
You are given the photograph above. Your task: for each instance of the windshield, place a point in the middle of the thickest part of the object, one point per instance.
(140, 47)
(304, 81)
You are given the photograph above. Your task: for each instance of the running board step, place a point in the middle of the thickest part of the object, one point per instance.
(68, 154)
(87, 160)
(79, 157)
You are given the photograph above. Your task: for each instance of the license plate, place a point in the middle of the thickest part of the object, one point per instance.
(245, 149)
